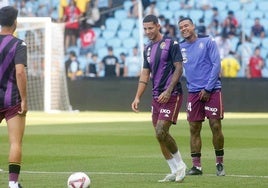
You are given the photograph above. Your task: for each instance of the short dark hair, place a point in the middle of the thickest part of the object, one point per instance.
(150, 18)
(8, 15)
(185, 18)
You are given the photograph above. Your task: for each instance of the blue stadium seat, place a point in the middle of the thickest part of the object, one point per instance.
(161, 5)
(256, 14)
(234, 6)
(196, 14)
(135, 33)
(221, 5)
(248, 7)
(127, 24)
(112, 24)
(102, 52)
(263, 5)
(119, 50)
(127, 4)
(167, 14)
(120, 14)
(100, 43)
(114, 42)
(123, 34)
(174, 6)
(107, 34)
(130, 43)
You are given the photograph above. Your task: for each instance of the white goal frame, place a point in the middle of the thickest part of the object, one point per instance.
(55, 51)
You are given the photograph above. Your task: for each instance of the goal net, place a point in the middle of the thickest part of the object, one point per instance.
(47, 84)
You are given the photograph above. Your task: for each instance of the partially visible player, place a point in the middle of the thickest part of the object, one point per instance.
(13, 94)
(163, 61)
(202, 65)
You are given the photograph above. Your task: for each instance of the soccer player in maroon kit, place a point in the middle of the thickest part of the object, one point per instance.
(202, 67)
(13, 92)
(163, 62)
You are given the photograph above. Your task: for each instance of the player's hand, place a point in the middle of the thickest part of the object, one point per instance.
(135, 105)
(164, 97)
(24, 109)
(204, 96)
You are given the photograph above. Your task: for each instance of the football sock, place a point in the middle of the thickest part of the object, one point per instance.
(177, 156)
(219, 156)
(172, 163)
(13, 184)
(14, 171)
(196, 159)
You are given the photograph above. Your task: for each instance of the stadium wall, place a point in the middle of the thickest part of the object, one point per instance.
(100, 94)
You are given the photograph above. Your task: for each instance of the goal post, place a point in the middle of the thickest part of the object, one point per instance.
(47, 82)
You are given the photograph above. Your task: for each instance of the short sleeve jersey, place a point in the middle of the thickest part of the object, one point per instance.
(202, 64)
(159, 58)
(110, 62)
(12, 51)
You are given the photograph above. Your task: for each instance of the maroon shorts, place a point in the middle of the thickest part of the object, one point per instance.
(197, 110)
(167, 111)
(9, 112)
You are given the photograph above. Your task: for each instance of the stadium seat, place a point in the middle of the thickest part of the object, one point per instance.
(234, 6)
(167, 14)
(107, 34)
(114, 42)
(248, 7)
(256, 14)
(256, 41)
(127, 4)
(135, 33)
(123, 34)
(120, 14)
(174, 6)
(221, 5)
(265, 43)
(100, 43)
(119, 50)
(263, 5)
(112, 24)
(102, 52)
(196, 14)
(129, 43)
(161, 5)
(127, 24)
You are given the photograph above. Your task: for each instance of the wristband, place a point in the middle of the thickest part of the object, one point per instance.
(142, 82)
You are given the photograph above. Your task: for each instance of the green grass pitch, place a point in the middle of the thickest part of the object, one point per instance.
(119, 150)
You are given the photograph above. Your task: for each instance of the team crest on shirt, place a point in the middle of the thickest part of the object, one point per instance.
(162, 45)
(184, 55)
(201, 45)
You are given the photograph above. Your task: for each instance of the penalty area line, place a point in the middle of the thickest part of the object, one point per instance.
(134, 173)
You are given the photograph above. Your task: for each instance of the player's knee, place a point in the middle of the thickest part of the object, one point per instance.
(160, 135)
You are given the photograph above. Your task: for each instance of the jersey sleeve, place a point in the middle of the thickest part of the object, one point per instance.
(175, 51)
(21, 53)
(216, 65)
(146, 64)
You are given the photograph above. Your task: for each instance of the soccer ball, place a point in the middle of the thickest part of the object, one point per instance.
(78, 180)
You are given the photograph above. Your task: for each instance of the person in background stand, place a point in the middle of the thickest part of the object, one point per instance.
(13, 87)
(202, 65)
(122, 63)
(163, 63)
(109, 64)
(256, 64)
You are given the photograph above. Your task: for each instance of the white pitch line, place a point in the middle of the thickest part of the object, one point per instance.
(133, 173)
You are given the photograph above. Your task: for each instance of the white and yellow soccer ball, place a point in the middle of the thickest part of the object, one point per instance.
(78, 180)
